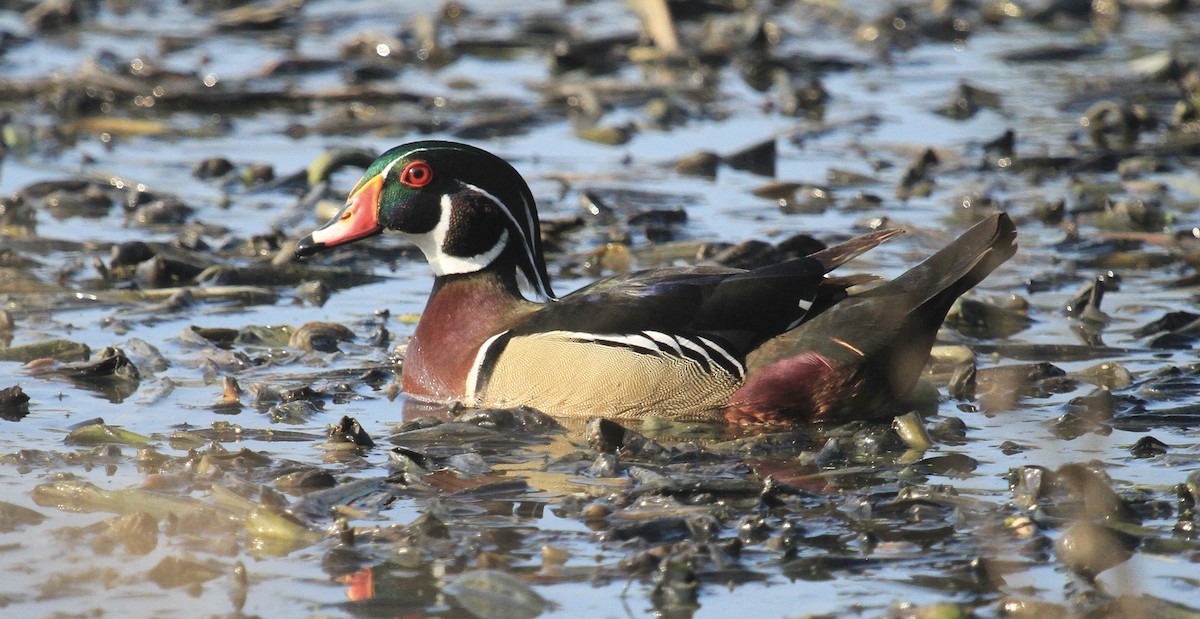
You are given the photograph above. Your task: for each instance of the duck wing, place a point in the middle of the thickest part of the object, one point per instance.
(740, 308)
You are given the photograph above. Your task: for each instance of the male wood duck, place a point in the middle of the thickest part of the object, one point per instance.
(779, 344)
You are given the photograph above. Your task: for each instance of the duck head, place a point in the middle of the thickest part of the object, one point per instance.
(468, 210)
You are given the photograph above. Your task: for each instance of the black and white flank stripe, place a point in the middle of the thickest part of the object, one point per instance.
(709, 354)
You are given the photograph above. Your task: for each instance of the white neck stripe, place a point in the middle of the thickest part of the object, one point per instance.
(538, 285)
(469, 395)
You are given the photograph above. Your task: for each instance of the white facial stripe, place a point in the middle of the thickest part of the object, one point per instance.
(473, 375)
(528, 228)
(431, 243)
(387, 171)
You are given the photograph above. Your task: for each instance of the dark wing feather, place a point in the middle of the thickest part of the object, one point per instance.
(740, 307)
(770, 300)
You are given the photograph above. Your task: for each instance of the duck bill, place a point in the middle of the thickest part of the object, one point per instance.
(359, 219)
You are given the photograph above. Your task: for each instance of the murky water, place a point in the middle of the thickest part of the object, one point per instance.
(878, 119)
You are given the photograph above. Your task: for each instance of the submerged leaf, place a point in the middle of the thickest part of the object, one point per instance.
(174, 571)
(14, 516)
(489, 594)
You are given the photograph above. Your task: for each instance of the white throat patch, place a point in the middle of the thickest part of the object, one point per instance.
(432, 243)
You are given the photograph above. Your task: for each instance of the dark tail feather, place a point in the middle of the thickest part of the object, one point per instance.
(942, 279)
(961, 265)
(819, 263)
(834, 257)
(929, 289)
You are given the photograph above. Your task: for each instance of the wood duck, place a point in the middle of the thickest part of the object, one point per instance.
(783, 343)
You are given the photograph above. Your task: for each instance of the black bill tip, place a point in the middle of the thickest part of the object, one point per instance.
(307, 246)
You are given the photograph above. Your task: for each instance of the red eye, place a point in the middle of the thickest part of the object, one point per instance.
(416, 174)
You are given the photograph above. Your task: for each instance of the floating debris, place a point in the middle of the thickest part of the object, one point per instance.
(14, 403)
(59, 350)
(1148, 447)
(101, 434)
(348, 433)
(320, 336)
(1091, 548)
(967, 100)
(981, 319)
(702, 163)
(757, 158)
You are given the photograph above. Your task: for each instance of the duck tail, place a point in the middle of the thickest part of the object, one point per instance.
(862, 356)
(959, 266)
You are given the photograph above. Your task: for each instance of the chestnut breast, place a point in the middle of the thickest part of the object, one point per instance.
(460, 316)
